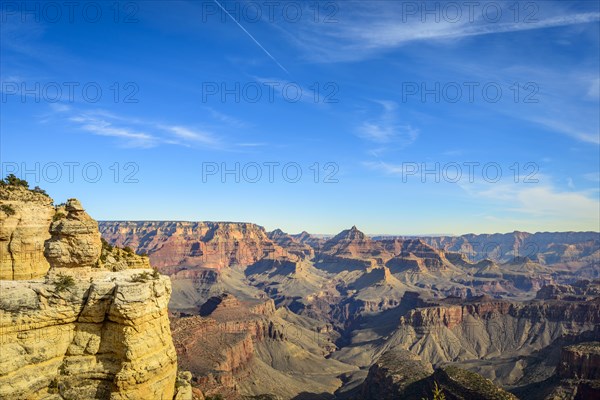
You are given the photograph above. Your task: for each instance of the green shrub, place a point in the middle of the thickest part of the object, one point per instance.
(155, 273)
(438, 393)
(63, 282)
(143, 277)
(39, 190)
(106, 245)
(58, 216)
(8, 210)
(128, 249)
(12, 180)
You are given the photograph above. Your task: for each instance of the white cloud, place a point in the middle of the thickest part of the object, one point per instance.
(101, 127)
(134, 132)
(227, 119)
(192, 135)
(566, 127)
(364, 29)
(538, 200)
(385, 129)
(58, 107)
(548, 201)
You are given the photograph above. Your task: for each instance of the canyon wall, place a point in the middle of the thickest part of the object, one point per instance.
(544, 247)
(206, 244)
(79, 319)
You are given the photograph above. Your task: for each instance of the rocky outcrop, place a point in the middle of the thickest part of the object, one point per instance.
(577, 376)
(219, 345)
(291, 244)
(460, 384)
(516, 344)
(400, 374)
(580, 361)
(583, 290)
(75, 241)
(547, 248)
(76, 321)
(25, 217)
(454, 330)
(102, 335)
(352, 244)
(397, 374)
(117, 259)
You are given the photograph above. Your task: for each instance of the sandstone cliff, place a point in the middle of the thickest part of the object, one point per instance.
(75, 241)
(453, 329)
(580, 361)
(99, 335)
(200, 244)
(25, 218)
(77, 322)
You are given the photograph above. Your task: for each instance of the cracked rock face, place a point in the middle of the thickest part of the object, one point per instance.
(74, 325)
(25, 217)
(105, 336)
(75, 241)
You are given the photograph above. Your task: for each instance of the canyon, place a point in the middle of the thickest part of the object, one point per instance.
(496, 321)
(232, 310)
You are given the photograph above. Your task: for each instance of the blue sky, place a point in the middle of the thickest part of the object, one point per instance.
(362, 98)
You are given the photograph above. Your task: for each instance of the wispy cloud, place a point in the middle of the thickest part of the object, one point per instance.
(385, 129)
(520, 200)
(226, 119)
(135, 132)
(541, 199)
(187, 134)
(566, 127)
(364, 29)
(389, 169)
(548, 201)
(102, 127)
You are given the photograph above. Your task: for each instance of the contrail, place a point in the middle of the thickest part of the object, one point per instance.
(252, 37)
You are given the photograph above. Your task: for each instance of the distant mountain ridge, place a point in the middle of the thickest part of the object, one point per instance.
(546, 248)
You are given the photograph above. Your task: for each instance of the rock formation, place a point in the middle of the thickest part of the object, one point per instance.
(201, 244)
(81, 326)
(547, 248)
(75, 241)
(97, 335)
(503, 318)
(397, 374)
(249, 348)
(400, 374)
(25, 217)
(291, 244)
(580, 361)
